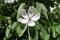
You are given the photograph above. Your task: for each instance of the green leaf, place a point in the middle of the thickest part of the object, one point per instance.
(53, 29)
(38, 7)
(4, 38)
(16, 0)
(38, 25)
(58, 29)
(41, 8)
(44, 11)
(19, 9)
(11, 28)
(58, 38)
(58, 11)
(15, 24)
(8, 31)
(2, 17)
(33, 33)
(43, 32)
(20, 29)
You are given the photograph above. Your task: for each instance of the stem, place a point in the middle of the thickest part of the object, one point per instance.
(28, 33)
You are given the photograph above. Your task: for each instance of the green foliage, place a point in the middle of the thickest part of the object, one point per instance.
(46, 28)
(8, 32)
(20, 30)
(19, 9)
(33, 34)
(58, 29)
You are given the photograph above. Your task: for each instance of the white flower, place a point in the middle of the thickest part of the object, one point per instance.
(59, 5)
(9, 1)
(55, 2)
(52, 9)
(30, 17)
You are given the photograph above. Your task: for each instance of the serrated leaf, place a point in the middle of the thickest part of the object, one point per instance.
(33, 33)
(19, 9)
(21, 29)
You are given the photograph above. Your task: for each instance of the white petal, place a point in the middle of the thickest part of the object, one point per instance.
(31, 11)
(30, 15)
(23, 20)
(59, 5)
(55, 2)
(31, 23)
(24, 13)
(5, 1)
(52, 9)
(9, 1)
(12, 1)
(36, 17)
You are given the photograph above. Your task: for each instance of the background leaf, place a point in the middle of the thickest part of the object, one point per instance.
(53, 29)
(38, 7)
(58, 29)
(43, 32)
(8, 31)
(33, 33)
(2, 17)
(44, 11)
(19, 29)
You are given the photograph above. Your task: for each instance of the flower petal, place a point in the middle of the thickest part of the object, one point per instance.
(31, 23)
(30, 15)
(52, 9)
(9, 1)
(31, 11)
(23, 20)
(36, 17)
(24, 13)
(12, 1)
(59, 5)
